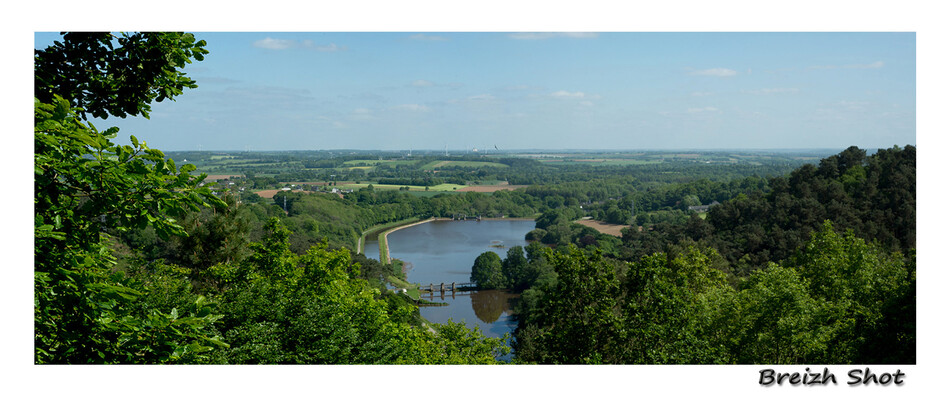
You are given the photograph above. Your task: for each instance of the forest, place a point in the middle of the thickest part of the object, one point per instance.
(140, 258)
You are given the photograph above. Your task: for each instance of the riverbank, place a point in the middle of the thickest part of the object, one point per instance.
(377, 229)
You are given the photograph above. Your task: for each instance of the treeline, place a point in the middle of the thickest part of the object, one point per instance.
(874, 196)
(818, 267)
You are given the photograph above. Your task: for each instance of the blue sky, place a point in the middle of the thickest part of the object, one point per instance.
(429, 90)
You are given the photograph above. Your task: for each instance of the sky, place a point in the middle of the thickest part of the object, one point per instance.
(530, 90)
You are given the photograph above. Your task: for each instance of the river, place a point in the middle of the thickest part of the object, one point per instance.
(444, 251)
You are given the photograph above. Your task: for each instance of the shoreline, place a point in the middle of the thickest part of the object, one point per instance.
(384, 244)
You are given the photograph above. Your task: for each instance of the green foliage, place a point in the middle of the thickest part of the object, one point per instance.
(83, 184)
(104, 74)
(837, 300)
(862, 284)
(313, 309)
(84, 313)
(663, 294)
(776, 320)
(578, 318)
(487, 271)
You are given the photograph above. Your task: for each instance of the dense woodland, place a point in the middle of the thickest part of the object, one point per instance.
(137, 260)
(818, 267)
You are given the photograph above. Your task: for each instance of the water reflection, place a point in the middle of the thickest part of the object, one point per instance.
(489, 305)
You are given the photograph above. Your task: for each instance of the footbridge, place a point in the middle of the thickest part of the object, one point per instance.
(447, 287)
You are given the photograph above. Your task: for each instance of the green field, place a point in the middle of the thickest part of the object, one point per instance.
(379, 162)
(460, 163)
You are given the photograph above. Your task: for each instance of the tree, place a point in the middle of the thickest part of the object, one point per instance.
(83, 184)
(578, 318)
(514, 266)
(487, 272)
(663, 292)
(862, 285)
(104, 74)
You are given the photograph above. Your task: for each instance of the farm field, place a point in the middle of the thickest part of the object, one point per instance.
(602, 227)
(368, 164)
(460, 163)
(269, 193)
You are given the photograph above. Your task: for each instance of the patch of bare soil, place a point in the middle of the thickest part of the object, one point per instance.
(602, 227)
(269, 193)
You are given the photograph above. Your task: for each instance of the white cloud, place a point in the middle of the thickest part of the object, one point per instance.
(718, 72)
(281, 44)
(425, 37)
(551, 35)
(412, 107)
(274, 44)
(703, 109)
(522, 87)
(567, 94)
(480, 98)
(330, 47)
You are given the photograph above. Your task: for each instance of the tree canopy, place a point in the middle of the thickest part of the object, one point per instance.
(84, 183)
(103, 74)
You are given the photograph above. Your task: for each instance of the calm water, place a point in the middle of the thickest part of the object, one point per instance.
(444, 251)
(372, 249)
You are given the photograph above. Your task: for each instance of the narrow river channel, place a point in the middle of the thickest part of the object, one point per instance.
(443, 252)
